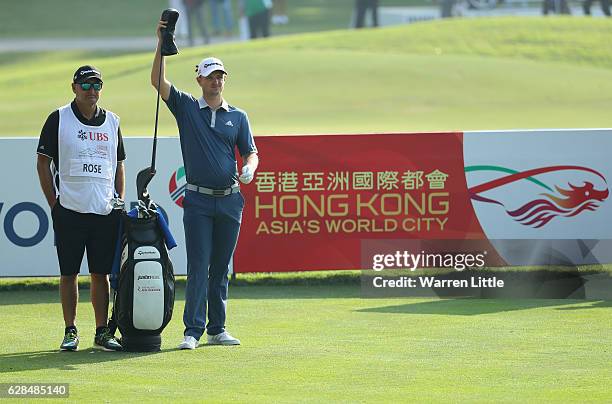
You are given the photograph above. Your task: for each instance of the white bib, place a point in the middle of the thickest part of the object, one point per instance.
(87, 162)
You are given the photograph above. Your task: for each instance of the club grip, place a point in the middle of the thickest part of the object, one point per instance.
(169, 48)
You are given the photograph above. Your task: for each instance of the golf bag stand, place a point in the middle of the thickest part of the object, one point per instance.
(144, 299)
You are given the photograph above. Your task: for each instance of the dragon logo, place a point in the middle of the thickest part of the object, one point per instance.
(565, 202)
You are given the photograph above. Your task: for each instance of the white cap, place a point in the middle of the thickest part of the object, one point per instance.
(209, 65)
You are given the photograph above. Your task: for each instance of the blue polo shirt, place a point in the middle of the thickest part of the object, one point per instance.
(209, 139)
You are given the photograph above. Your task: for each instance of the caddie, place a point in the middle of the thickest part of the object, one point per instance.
(80, 168)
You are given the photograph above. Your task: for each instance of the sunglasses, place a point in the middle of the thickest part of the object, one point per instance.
(87, 86)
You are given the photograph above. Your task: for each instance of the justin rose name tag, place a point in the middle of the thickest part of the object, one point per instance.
(90, 168)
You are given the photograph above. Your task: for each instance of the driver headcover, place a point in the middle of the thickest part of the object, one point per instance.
(169, 47)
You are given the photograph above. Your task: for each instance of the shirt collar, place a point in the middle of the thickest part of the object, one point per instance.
(96, 115)
(202, 103)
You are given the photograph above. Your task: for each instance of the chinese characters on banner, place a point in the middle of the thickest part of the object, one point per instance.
(328, 195)
(314, 198)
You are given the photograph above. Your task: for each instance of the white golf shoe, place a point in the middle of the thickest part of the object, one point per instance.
(189, 343)
(223, 339)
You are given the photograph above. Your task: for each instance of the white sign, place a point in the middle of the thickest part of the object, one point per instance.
(545, 183)
(26, 231)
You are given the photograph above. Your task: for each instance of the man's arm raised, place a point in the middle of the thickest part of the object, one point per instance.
(164, 84)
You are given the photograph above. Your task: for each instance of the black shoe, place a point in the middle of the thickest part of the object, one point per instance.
(107, 341)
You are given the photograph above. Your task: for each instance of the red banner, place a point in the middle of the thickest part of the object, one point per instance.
(314, 198)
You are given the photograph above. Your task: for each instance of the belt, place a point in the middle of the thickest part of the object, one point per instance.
(214, 192)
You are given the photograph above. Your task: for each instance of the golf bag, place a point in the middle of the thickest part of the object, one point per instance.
(142, 276)
(144, 285)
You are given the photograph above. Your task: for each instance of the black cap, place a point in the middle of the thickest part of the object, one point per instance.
(85, 73)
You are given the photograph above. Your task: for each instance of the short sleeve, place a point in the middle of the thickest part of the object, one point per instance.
(120, 148)
(175, 100)
(47, 143)
(245, 141)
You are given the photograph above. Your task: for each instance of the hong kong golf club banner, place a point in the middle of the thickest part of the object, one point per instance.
(316, 201)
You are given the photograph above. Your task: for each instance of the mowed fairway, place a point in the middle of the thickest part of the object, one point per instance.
(446, 75)
(325, 343)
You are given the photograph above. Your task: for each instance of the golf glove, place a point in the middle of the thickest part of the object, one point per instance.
(247, 174)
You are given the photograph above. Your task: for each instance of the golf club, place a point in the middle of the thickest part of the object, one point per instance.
(168, 48)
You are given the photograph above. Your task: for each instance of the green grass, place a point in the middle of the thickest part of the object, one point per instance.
(564, 40)
(308, 278)
(325, 343)
(311, 278)
(61, 18)
(69, 18)
(446, 75)
(325, 15)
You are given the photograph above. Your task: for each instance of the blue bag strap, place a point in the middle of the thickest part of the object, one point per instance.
(116, 269)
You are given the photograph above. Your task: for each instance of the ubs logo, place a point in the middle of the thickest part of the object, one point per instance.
(95, 136)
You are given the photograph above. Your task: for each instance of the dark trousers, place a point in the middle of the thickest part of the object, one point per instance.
(605, 6)
(361, 7)
(195, 17)
(211, 232)
(555, 7)
(259, 24)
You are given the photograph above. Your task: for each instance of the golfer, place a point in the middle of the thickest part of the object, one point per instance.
(210, 130)
(80, 168)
